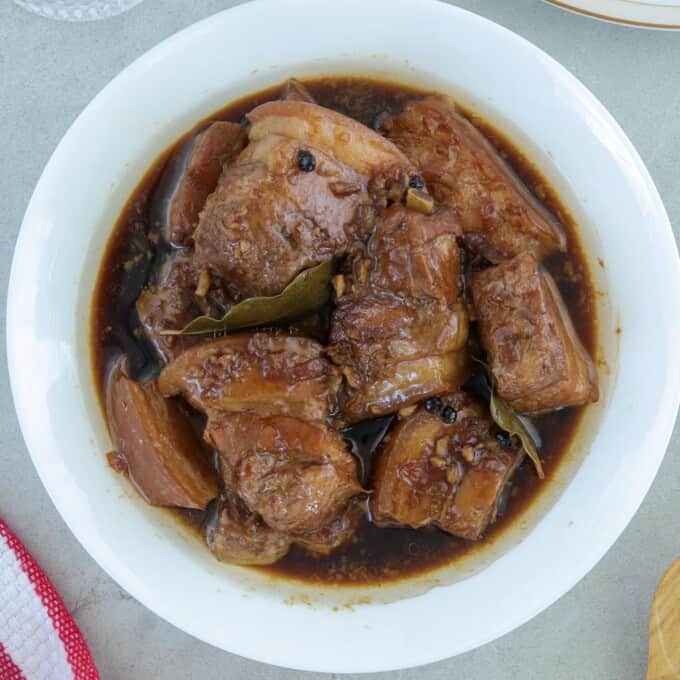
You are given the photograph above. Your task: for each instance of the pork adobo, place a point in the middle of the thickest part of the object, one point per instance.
(538, 362)
(399, 328)
(444, 465)
(382, 426)
(499, 216)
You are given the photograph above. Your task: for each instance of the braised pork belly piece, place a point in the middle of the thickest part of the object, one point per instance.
(211, 150)
(398, 330)
(236, 535)
(307, 185)
(180, 293)
(445, 465)
(335, 534)
(298, 476)
(385, 168)
(295, 91)
(283, 207)
(164, 457)
(261, 373)
(537, 359)
(499, 216)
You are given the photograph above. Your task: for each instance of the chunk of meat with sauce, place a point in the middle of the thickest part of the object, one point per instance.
(180, 294)
(500, 218)
(335, 534)
(295, 91)
(412, 255)
(169, 305)
(267, 373)
(386, 169)
(538, 361)
(297, 476)
(211, 149)
(237, 536)
(398, 332)
(450, 475)
(306, 187)
(165, 459)
(268, 219)
(393, 353)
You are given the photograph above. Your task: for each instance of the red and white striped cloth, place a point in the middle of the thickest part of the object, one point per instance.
(39, 640)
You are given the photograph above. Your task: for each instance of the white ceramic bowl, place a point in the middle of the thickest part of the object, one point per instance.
(560, 125)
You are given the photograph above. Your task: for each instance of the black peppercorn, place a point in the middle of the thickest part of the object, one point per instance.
(449, 415)
(433, 405)
(504, 440)
(306, 161)
(416, 182)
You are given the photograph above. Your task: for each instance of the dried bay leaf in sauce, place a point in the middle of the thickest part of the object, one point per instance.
(506, 418)
(307, 292)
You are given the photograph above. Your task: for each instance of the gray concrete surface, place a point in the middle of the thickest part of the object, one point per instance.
(48, 73)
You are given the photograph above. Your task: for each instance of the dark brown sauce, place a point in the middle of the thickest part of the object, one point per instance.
(374, 555)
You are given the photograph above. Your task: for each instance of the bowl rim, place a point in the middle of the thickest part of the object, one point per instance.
(659, 436)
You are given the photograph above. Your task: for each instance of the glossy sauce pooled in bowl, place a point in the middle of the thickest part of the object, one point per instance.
(135, 255)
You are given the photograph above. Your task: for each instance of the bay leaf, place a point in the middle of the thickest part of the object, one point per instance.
(307, 292)
(506, 418)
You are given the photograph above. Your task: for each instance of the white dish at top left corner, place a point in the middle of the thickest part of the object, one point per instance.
(77, 10)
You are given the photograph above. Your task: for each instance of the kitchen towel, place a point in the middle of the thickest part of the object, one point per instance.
(39, 640)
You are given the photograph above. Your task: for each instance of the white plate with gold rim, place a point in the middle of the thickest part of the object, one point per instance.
(662, 14)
